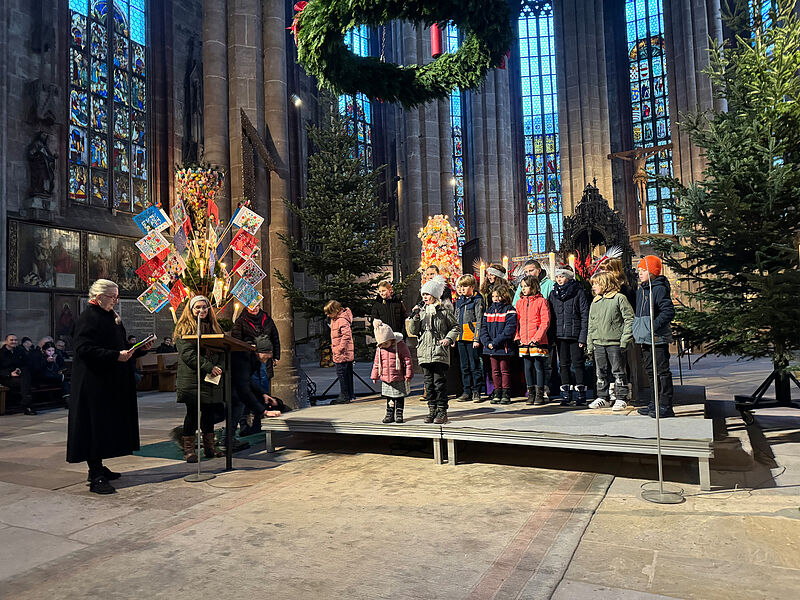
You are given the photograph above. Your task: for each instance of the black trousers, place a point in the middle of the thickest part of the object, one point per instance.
(570, 353)
(20, 386)
(435, 375)
(242, 394)
(206, 419)
(665, 390)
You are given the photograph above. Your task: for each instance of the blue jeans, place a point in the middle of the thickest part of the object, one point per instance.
(535, 370)
(344, 371)
(471, 368)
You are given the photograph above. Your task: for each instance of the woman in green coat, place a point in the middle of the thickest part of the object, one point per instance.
(211, 364)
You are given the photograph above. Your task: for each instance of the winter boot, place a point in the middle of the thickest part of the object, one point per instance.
(431, 412)
(399, 405)
(580, 396)
(566, 399)
(389, 418)
(189, 453)
(441, 416)
(540, 399)
(209, 450)
(546, 394)
(476, 396)
(485, 397)
(505, 398)
(495, 396)
(531, 397)
(465, 397)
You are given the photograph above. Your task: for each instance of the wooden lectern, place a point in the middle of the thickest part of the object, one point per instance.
(227, 344)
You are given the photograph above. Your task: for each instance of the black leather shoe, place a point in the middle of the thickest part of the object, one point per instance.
(100, 485)
(30, 411)
(646, 410)
(107, 473)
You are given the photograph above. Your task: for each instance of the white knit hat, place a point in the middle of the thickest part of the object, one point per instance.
(434, 287)
(384, 333)
(565, 272)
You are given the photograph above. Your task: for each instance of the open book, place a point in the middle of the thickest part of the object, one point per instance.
(146, 340)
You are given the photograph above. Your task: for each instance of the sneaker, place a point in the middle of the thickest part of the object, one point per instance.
(100, 485)
(601, 403)
(619, 405)
(465, 397)
(646, 410)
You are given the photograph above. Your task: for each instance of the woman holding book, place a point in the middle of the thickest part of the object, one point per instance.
(103, 413)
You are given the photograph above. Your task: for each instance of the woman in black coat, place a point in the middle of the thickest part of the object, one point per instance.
(103, 414)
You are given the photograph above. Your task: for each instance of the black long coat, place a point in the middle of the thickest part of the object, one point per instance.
(103, 413)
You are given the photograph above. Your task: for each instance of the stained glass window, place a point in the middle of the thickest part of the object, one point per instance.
(457, 129)
(647, 63)
(540, 125)
(108, 140)
(760, 17)
(357, 110)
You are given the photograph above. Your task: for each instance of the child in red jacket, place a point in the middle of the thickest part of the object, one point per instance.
(392, 366)
(533, 319)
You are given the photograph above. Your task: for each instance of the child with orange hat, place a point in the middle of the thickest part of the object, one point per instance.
(655, 289)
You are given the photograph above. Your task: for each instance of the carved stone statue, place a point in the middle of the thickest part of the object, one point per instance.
(41, 166)
(192, 149)
(46, 102)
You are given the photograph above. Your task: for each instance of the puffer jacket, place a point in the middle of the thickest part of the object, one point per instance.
(342, 337)
(431, 325)
(391, 311)
(392, 364)
(469, 312)
(663, 312)
(571, 309)
(186, 379)
(498, 329)
(610, 321)
(533, 319)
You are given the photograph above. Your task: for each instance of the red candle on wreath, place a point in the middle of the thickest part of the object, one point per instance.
(436, 41)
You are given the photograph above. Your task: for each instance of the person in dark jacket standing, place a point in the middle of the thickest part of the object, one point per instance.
(389, 308)
(655, 288)
(257, 328)
(15, 371)
(469, 314)
(571, 310)
(103, 413)
(211, 363)
(498, 330)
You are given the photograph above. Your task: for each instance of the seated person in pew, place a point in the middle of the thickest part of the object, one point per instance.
(47, 368)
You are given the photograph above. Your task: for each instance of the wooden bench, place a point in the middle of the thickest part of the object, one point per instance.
(3, 390)
(35, 391)
(147, 365)
(167, 371)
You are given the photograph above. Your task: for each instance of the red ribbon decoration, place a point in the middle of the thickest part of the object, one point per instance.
(502, 65)
(298, 8)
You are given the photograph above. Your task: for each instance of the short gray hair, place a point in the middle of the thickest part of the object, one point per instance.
(101, 286)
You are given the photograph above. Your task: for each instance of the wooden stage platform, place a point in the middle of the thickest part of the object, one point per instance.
(549, 426)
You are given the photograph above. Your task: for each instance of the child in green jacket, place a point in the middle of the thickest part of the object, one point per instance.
(610, 332)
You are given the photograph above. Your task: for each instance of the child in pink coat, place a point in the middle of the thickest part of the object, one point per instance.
(392, 366)
(342, 348)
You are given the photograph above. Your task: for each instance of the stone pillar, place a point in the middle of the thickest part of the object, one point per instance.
(687, 27)
(244, 80)
(5, 10)
(511, 242)
(582, 99)
(274, 35)
(215, 93)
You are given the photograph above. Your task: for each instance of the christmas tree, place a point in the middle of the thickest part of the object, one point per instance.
(738, 227)
(343, 247)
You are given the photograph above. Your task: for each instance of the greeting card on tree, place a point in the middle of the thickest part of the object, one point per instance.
(154, 298)
(179, 212)
(251, 272)
(174, 265)
(180, 240)
(256, 301)
(151, 270)
(244, 292)
(247, 220)
(152, 219)
(152, 244)
(177, 294)
(244, 243)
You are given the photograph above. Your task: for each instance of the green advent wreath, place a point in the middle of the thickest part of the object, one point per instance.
(320, 26)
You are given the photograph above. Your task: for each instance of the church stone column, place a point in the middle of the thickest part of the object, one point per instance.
(215, 93)
(510, 225)
(582, 99)
(687, 27)
(274, 36)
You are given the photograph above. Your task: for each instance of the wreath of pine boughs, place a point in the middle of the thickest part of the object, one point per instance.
(321, 25)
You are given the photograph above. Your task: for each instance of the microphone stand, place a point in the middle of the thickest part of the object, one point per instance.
(198, 477)
(659, 496)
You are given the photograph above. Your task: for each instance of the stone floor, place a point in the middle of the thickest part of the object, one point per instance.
(338, 517)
